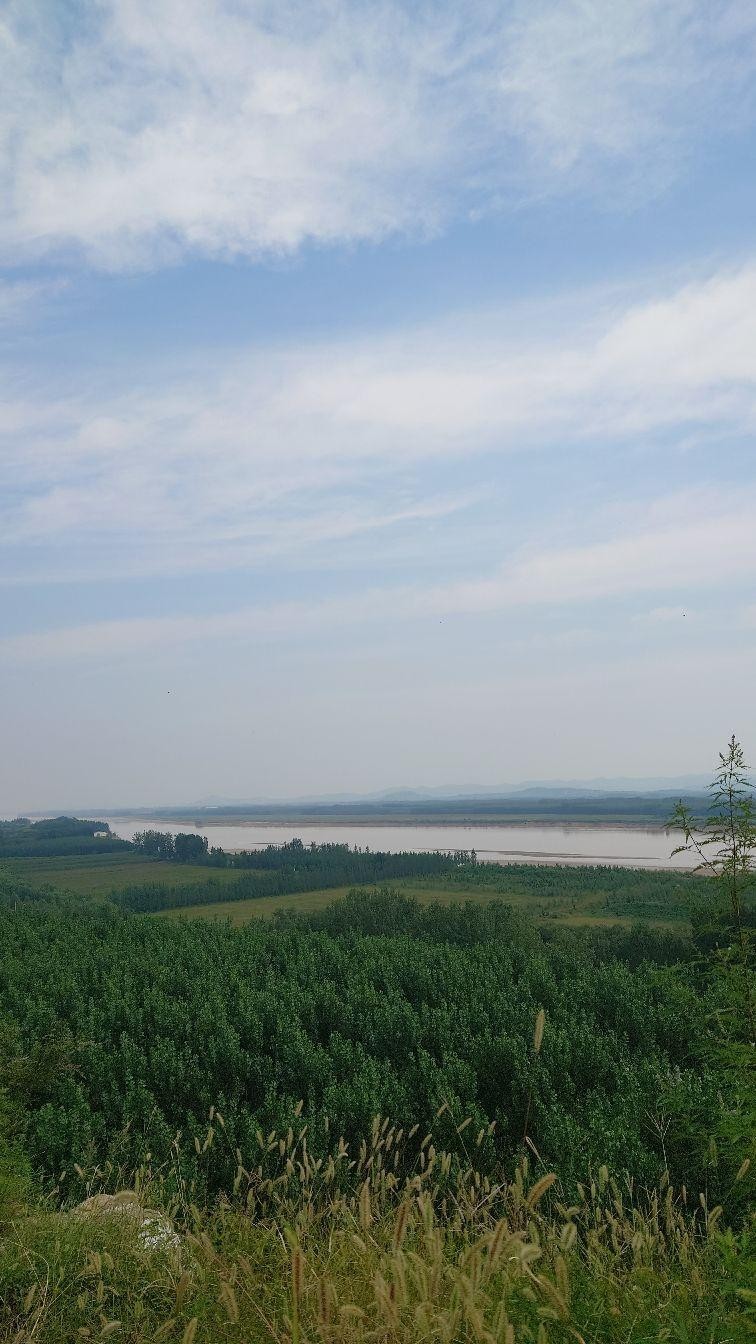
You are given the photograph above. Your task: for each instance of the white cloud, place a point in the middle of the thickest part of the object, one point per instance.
(279, 451)
(688, 357)
(688, 554)
(142, 129)
(590, 78)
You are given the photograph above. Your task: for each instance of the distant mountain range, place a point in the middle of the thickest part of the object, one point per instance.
(656, 786)
(543, 788)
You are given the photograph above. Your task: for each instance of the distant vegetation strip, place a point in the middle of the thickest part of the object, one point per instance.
(285, 869)
(650, 809)
(293, 856)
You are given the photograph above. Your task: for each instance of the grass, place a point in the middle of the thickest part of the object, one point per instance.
(262, 907)
(99, 874)
(587, 911)
(394, 1243)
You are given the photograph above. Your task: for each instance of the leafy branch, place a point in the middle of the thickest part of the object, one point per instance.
(725, 843)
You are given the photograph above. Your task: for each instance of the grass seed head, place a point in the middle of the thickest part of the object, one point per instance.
(539, 1189)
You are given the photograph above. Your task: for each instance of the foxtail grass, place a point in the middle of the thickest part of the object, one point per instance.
(373, 1245)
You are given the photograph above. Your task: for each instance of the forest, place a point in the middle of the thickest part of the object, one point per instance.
(162, 1020)
(22, 838)
(290, 1093)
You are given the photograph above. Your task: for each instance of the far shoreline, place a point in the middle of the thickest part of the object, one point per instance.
(490, 823)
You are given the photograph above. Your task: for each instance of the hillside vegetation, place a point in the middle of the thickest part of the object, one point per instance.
(383, 1119)
(158, 1021)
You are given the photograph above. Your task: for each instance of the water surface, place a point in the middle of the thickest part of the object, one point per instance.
(622, 846)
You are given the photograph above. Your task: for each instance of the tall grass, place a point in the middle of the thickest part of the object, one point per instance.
(394, 1241)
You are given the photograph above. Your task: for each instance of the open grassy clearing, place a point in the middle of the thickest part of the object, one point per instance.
(99, 874)
(264, 907)
(589, 911)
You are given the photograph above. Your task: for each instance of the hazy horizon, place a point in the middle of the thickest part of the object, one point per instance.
(638, 784)
(380, 395)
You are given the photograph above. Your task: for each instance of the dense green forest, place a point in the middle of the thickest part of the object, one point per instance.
(158, 1021)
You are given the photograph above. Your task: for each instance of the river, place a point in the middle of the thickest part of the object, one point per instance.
(621, 846)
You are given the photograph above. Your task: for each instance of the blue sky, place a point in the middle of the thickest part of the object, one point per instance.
(379, 394)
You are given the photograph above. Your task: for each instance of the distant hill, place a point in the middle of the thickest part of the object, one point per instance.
(530, 806)
(612, 796)
(543, 788)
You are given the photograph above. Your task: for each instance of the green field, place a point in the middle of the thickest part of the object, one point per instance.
(241, 912)
(99, 874)
(575, 902)
(588, 910)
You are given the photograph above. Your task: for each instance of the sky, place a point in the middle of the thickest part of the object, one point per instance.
(379, 394)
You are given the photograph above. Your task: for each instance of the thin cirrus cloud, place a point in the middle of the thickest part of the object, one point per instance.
(141, 130)
(268, 537)
(685, 545)
(279, 451)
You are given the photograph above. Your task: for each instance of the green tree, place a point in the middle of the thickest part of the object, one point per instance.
(190, 848)
(725, 844)
(157, 843)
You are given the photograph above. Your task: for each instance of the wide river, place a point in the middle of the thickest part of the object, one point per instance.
(622, 846)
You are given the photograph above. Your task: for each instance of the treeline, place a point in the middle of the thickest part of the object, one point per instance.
(22, 838)
(146, 1024)
(341, 867)
(187, 847)
(286, 870)
(313, 858)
